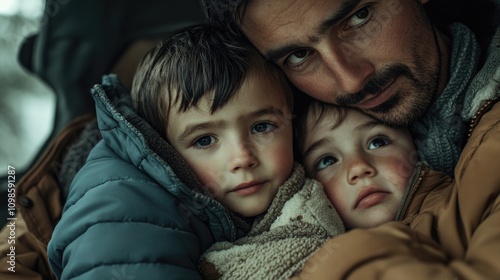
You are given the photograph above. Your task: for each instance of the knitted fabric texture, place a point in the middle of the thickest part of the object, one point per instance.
(439, 134)
(300, 220)
(486, 84)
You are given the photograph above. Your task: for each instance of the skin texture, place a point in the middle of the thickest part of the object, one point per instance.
(248, 141)
(379, 56)
(363, 165)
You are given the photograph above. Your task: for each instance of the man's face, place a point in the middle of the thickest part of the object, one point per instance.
(380, 56)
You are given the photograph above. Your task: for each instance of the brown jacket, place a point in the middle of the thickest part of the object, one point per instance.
(39, 207)
(448, 229)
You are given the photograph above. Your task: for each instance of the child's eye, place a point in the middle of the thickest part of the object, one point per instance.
(205, 141)
(359, 18)
(378, 142)
(325, 162)
(263, 127)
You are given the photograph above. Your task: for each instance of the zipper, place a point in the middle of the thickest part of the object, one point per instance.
(415, 183)
(477, 117)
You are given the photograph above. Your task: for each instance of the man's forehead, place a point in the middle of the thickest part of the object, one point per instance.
(273, 24)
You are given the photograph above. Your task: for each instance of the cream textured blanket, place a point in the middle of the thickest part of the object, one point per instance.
(299, 220)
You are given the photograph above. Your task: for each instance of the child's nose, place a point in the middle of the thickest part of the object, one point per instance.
(359, 168)
(243, 157)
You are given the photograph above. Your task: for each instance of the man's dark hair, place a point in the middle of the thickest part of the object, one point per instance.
(195, 62)
(225, 12)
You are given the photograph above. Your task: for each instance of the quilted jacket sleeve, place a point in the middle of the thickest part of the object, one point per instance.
(125, 227)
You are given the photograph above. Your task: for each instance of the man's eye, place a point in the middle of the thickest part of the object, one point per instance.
(205, 141)
(297, 57)
(325, 162)
(378, 142)
(359, 18)
(263, 127)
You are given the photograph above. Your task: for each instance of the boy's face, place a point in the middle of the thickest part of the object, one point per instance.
(243, 152)
(363, 165)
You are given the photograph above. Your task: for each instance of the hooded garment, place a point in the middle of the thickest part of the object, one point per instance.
(135, 208)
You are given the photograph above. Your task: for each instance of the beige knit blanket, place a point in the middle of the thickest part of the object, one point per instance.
(299, 220)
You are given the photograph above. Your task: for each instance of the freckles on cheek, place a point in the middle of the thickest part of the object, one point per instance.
(211, 180)
(402, 168)
(405, 168)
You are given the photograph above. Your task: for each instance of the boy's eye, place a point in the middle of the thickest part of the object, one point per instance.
(325, 162)
(205, 141)
(263, 127)
(378, 142)
(297, 57)
(359, 18)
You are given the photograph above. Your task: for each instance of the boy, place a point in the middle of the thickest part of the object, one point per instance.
(229, 120)
(443, 229)
(363, 164)
(227, 162)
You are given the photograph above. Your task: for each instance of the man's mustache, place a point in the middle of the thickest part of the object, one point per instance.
(375, 85)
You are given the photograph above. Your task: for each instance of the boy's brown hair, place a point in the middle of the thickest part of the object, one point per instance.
(200, 60)
(321, 110)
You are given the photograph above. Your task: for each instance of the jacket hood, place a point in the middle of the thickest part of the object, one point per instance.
(134, 140)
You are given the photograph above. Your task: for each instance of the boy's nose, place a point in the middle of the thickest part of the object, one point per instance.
(359, 168)
(242, 157)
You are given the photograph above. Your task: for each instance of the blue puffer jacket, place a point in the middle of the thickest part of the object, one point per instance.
(135, 210)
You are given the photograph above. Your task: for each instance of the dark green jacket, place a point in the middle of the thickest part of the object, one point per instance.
(134, 209)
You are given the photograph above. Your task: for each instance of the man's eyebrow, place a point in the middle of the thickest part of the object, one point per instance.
(192, 128)
(346, 7)
(274, 54)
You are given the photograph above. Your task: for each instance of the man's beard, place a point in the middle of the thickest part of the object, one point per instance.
(404, 107)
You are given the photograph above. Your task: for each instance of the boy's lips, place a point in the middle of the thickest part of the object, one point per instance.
(248, 188)
(369, 196)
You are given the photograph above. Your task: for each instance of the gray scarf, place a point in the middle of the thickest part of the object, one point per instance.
(439, 134)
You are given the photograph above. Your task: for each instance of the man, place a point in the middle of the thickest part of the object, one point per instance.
(385, 58)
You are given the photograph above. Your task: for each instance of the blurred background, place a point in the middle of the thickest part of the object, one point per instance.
(53, 51)
(26, 103)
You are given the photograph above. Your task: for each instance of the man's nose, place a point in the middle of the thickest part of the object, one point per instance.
(242, 156)
(349, 68)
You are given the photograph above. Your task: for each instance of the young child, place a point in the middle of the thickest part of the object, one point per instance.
(363, 165)
(200, 150)
(443, 228)
(227, 111)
